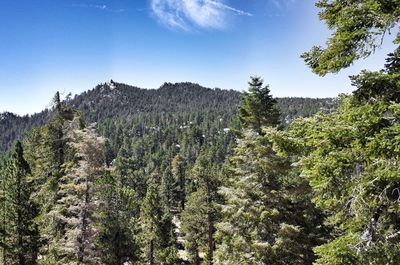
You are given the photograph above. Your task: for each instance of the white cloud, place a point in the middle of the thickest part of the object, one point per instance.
(282, 3)
(182, 14)
(101, 7)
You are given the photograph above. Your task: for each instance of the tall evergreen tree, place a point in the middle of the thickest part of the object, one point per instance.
(195, 227)
(20, 235)
(178, 170)
(350, 159)
(48, 153)
(157, 236)
(118, 235)
(201, 214)
(258, 107)
(268, 217)
(77, 201)
(348, 156)
(151, 214)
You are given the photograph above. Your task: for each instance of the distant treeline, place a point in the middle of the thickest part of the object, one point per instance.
(113, 100)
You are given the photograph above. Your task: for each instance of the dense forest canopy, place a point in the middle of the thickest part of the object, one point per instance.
(112, 100)
(141, 193)
(190, 175)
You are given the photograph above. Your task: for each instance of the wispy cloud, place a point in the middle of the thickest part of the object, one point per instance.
(183, 14)
(100, 7)
(282, 3)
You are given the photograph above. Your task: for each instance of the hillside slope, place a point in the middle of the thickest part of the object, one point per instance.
(114, 100)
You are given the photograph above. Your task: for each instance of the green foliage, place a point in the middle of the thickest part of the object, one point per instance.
(115, 102)
(268, 217)
(19, 237)
(158, 200)
(195, 226)
(178, 171)
(358, 29)
(201, 214)
(382, 85)
(157, 229)
(189, 180)
(77, 201)
(118, 228)
(258, 108)
(338, 251)
(48, 154)
(350, 159)
(66, 159)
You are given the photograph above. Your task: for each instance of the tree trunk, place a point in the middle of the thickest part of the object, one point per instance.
(182, 190)
(210, 223)
(60, 147)
(4, 224)
(369, 233)
(81, 253)
(150, 254)
(210, 238)
(21, 257)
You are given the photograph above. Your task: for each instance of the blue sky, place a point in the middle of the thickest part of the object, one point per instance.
(72, 45)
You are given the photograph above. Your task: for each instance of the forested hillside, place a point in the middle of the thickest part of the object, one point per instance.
(190, 175)
(160, 164)
(114, 100)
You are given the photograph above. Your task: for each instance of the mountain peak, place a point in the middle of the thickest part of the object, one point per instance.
(111, 84)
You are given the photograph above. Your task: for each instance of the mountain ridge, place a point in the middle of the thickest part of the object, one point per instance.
(118, 100)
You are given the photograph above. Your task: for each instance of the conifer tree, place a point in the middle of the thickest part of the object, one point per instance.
(20, 237)
(118, 235)
(358, 29)
(78, 201)
(268, 217)
(168, 187)
(151, 214)
(200, 216)
(47, 153)
(3, 209)
(258, 107)
(194, 226)
(130, 168)
(379, 85)
(349, 158)
(178, 170)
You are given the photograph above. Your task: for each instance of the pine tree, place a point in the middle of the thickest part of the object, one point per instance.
(3, 211)
(348, 156)
(47, 154)
(268, 217)
(151, 214)
(20, 237)
(178, 170)
(350, 159)
(130, 168)
(77, 201)
(194, 226)
(258, 107)
(200, 216)
(168, 187)
(379, 85)
(118, 231)
(158, 239)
